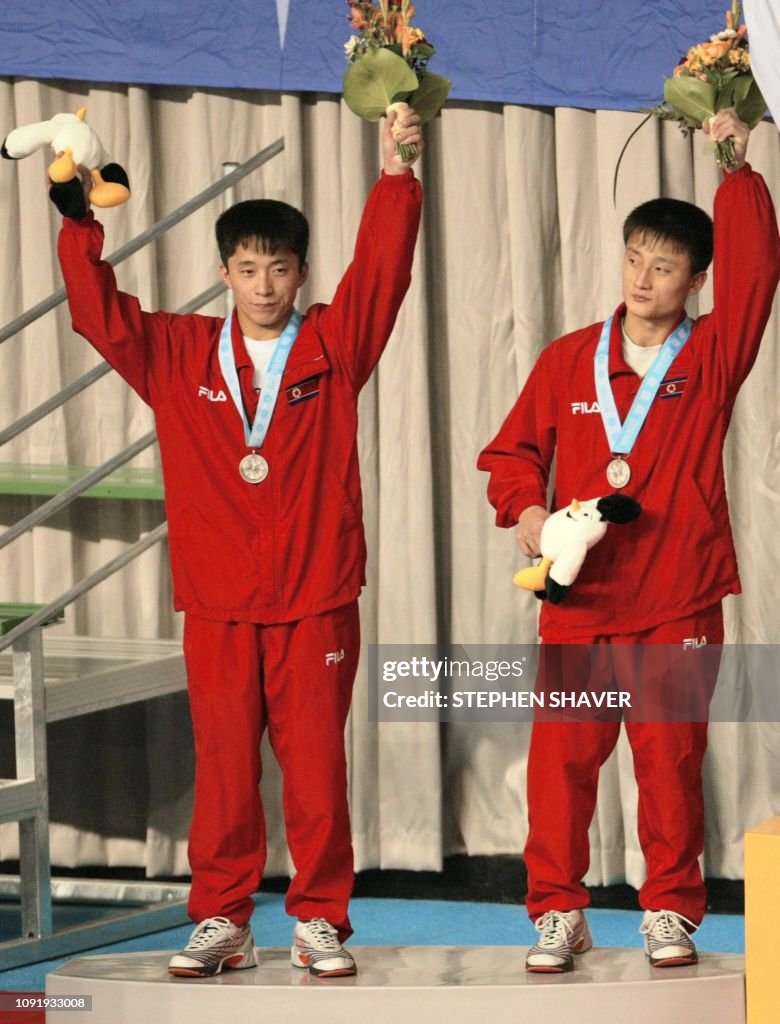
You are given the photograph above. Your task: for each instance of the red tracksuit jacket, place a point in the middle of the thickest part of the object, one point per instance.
(293, 545)
(678, 557)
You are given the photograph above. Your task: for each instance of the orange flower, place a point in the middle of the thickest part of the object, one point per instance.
(708, 53)
(741, 58)
(409, 37)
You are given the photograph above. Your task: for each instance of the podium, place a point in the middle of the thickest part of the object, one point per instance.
(411, 985)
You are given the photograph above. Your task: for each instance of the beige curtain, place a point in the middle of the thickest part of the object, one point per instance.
(520, 242)
(763, 21)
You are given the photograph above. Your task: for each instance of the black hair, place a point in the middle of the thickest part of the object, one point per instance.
(688, 228)
(268, 224)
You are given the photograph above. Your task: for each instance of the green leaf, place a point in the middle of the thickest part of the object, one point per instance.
(429, 98)
(749, 103)
(375, 81)
(742, 88)
(726, 95)
(691, 97)
(422, 50)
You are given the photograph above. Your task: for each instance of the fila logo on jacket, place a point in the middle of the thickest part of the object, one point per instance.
(673, 387)
(204, 392)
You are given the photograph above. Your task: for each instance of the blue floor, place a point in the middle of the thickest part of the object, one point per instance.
(382, 922)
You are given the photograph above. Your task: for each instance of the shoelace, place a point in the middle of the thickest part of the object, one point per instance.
(553, 929)
(666, 924)
(207, 930)
(323, 932)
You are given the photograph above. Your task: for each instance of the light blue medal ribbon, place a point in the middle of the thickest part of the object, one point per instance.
(253, 467)
(621, 436)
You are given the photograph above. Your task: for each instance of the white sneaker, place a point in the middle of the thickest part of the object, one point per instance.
(316, 946)
(215, 944)
(562, 936)
(667, 941)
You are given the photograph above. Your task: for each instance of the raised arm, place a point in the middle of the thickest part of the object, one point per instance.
(746, 266)
(364, 309)
(110, 320)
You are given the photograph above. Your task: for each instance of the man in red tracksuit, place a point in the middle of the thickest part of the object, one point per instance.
(266, 537)
(657, 580)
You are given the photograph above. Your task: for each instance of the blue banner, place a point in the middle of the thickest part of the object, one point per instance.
(611, 54)
(201, 43)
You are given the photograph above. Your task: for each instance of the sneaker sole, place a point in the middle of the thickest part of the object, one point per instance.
(338, 972)
(232, 964)
(341, 972)
(675, 961)
(547, 969)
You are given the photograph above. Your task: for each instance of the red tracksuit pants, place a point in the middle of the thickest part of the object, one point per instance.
(295, 678)
(565, 757)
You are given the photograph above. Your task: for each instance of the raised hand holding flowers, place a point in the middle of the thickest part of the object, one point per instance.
(388, 70)
(714, 76)
(402, 140)
(727, 128)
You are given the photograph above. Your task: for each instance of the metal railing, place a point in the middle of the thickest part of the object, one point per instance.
(38, 940)
(152, 233)
(77, 386)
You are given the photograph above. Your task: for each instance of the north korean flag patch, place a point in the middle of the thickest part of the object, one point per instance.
(303, 390)
(672, 387)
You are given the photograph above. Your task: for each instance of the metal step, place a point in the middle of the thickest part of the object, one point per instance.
(86, 674)
(48, 680)
(136, 482)
(18, 799)
(108, 891)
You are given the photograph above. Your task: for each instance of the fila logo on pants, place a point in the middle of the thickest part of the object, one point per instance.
(334, 657)
(694, 643)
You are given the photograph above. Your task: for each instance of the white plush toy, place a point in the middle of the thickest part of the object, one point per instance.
(567, 536)
(75, 144)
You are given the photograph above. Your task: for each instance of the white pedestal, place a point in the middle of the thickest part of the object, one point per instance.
(407, 985)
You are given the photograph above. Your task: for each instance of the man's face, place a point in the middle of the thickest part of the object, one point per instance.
(657, 279)
(264, 287)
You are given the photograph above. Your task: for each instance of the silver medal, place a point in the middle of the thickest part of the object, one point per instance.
(618, 473)
(253, 468)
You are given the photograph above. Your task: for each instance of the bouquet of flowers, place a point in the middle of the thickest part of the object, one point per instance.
(388, 69)
(712, 76)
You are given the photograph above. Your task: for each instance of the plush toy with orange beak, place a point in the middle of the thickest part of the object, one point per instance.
(567, 536)
(75, 145)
